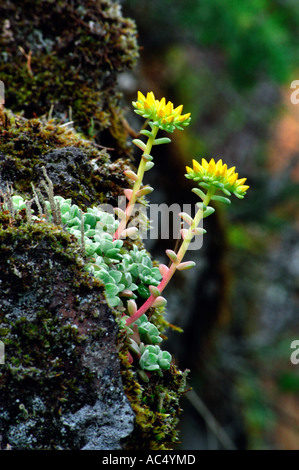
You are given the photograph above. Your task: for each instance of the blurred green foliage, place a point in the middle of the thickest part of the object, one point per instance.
(258, 413)
(227, 62)
(255, 38)
(288, 381)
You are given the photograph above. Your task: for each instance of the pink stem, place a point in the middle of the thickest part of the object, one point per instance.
(136, 187)
(148, 303)
(123, 222)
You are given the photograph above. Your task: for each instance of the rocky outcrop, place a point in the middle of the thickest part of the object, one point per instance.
(66, 382)
(61, 387)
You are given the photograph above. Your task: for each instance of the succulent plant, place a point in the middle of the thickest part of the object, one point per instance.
(148, 332)
(153, 358)
(128, 275)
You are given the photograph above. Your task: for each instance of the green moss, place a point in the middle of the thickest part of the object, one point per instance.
(78, 168)
(60, 60)
(75, 53)
(50, 313)
(156, 405)
(39, 343)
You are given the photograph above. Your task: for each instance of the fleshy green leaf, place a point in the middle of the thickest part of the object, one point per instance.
(111, 290)
(143, 291)
(221, 199)
(199, 193)
(208, 211)
(162, 140)
(147, 133)
(139, 144)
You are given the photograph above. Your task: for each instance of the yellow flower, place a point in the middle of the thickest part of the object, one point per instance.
(160, 113)
(216, 174)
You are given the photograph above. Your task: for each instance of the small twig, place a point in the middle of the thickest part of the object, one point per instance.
(28, 210)
(210, 420)
(182, 387)
(50, 114)
(37, 199)
(161, 401)
(55, 208)
(132, 132)
(58, 213)
(100, 147)
(8, 200)
(50, 188)
(28, 57)
(66, 124)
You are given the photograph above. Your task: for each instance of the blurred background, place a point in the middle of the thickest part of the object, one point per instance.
(231, 64)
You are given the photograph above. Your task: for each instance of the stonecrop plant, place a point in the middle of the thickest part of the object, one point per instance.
(128, 275)
(159, 115)
(211, 178)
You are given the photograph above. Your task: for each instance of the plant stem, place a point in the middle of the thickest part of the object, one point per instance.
(181, 253)
(137, 184)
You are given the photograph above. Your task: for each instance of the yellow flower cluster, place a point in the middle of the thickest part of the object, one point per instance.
(160, 113)
(216, 174)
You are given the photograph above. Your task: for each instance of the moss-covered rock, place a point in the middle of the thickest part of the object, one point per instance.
(77, 167)
(44, 313)
(67, 382)
(66, 55)
(157, 408)
(60, 385)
